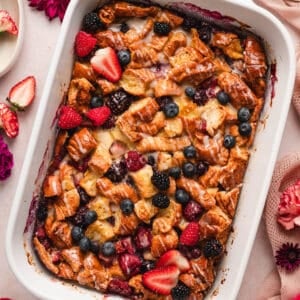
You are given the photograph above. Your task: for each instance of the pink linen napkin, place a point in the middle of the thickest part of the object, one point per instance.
(279, 284)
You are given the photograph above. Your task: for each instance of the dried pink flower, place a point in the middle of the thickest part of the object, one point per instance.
(289, 207)
(6, 160)
(52, 8)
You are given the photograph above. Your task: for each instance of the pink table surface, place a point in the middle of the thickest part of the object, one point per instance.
(38, 47)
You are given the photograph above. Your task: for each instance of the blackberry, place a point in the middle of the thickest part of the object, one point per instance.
(202, 167)
(212, 248)
(200, 97)
(42, 212)
(124, 27)
(161, 200)
(180, 291)
(119, 101)
(117, 171)
(91, 23)
(160, 180)
(78, 219)
(162, 28)
(109, 123)
(189, 23)
(163, 101)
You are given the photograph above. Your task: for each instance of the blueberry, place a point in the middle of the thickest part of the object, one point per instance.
(181, 196)
(202, 167)
(108, 249)
(245, 129)
(162, 28)
(171, 110)
(188, 169)
(190, 151)
(229, 141)
(244, 114)
(94, 247)
(90, 217)
(190, 91)
(124, 27)
(124, 57)
(204, 33)
(77, 233)
(223, 97)
(84, 244)
(175, 172)
(126, 206)
(96, 101)
(147, 265)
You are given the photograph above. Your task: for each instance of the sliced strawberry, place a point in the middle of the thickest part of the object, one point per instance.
(99, 115)
(22, 94)
(106, 63)
(69, 118)
(174, 257)
(7, 23)
(84, 43)
(9, 121)
(161, 280)
(190, 235)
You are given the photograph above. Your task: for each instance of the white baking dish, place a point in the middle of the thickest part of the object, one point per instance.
(280, 47)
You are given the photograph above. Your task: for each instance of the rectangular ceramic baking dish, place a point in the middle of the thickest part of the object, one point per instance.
(279, 45)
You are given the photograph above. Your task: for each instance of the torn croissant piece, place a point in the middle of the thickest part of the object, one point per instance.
(154, 126)
(100, 160)
(128, 126)
(176, 40)
(73, 257)
(100, 231)
(125, 225)
(88, 183)
(106, 86)
(124, 9)
(166, 87)
(109, 38)
(255, 65)
(107, 14)
(197, 192)
(145, 210)
(170, 18)
(158, 42)
(143, 57)
(184, 55)
(144, 109)
(228, 201)
(52, 186)
(163, 242)
(83, 70)
(200, 46)
(151, 144)
(195, 284)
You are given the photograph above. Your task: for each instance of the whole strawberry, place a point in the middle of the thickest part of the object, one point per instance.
(190, 235)
(84, 44)
(69, 118)
(99, 115)
(9, 121)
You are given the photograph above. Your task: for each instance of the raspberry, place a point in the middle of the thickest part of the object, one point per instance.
(212, 248)
(161, 200)
(69, 118)
(180, 291)
(119, 101)
(84, 43)
(117, 171)
(190, 235)
(200, 97)
(99, 115)
(109, 123)
(120, 287)
(130, 264)
(192, 211)
(134, 161)
(160, 180)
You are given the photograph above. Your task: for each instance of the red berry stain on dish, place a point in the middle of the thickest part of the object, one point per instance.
(22, 94)
(7, 24)
(105, 62)
(69, 118)
(84, 44)
(9, 121)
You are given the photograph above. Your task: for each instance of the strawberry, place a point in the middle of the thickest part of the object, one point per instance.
(7, 23)
(69, 118)
(99, 115)
(9, 121)
(173, 257)
(22, 94)
(161, 280)
(106, 63)
(190, 235)
(84, 44)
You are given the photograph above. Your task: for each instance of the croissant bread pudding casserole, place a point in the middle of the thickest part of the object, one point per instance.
(153, 140)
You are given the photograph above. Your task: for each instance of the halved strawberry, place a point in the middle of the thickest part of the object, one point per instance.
(106, 63)
(84, 43)
(174, 257)
(22, 94)
(161, 280)
(9, 121)
(7, 23)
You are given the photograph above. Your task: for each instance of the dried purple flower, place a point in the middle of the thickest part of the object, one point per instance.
(52, 8)
(6, 160)
(288, 256)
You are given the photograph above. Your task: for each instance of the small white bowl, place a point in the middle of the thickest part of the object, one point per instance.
(10, 45)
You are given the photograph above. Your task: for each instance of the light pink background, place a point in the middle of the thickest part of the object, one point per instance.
(38, 47)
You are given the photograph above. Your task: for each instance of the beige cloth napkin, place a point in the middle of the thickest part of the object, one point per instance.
(280, 285)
